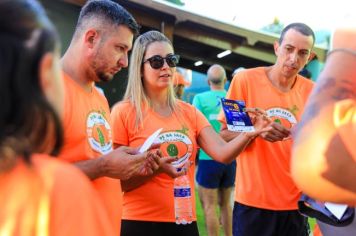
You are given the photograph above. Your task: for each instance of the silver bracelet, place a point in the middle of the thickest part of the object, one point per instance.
(345, 50)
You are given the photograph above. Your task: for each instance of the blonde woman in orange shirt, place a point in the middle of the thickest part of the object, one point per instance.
(149, 104)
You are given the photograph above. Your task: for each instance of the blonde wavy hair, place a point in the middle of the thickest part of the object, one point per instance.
(135, 91)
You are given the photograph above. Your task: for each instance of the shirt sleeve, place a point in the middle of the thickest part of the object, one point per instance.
(202, 122)
(119, 130)
(196, 102)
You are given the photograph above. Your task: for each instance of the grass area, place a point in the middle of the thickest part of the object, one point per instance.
(201, 219)
(312, 223)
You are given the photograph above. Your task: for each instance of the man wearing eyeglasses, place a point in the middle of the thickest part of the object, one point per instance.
(265, 195)
(98, 50)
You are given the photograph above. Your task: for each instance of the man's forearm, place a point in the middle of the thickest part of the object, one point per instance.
(92, 168)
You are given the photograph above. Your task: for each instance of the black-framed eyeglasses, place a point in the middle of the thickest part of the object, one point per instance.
(157, 62)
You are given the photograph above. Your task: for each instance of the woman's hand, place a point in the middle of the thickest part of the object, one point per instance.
(167, 167)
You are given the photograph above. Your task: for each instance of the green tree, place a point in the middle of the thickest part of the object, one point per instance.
(275, 27)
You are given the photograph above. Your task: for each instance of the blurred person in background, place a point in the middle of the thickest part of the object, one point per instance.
(179, 84)
(215, 180)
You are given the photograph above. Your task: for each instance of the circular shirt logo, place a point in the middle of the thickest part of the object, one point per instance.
(176, 144)
(99, 133)
(282, 116)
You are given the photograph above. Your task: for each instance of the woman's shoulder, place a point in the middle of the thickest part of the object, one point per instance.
(122, 104)
(185, 106)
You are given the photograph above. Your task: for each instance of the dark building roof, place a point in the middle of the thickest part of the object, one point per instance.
(197, 37)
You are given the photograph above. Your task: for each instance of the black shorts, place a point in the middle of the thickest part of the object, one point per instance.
(251, 221)
(149, 228)
(213, 174)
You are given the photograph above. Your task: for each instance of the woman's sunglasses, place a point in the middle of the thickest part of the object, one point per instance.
(157, 61)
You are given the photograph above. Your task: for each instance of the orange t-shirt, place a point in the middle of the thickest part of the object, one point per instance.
(88, 135)
(48, 197)
(154, 201)
(263, 177)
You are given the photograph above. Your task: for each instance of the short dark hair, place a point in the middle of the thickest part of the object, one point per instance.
(110, 11)
(300, 27)
(26, 116)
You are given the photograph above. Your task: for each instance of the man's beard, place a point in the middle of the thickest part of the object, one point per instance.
(103, 77)
(99, 69)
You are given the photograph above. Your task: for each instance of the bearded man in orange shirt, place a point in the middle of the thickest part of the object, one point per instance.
(98, 50)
